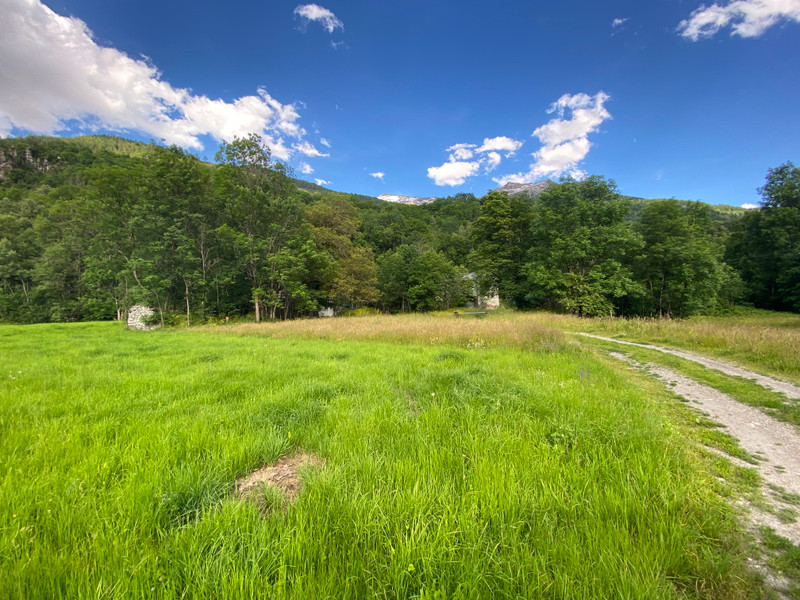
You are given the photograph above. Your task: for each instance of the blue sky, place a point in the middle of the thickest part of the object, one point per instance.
(670, 98)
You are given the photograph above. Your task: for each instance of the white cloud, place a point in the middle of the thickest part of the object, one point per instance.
(53, 76)
(322, 182)
(459, 166)
(305, 168)
(306, 148)
(566, 141)
(492, 161)
(746, 18)
(750, 206)
(453, 173)
(314, 12)
(501, 143)
(325, 142)
(378, 175)
(461, 151)
(619, 22)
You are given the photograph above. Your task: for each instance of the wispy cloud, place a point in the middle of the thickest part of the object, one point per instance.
(378, 175)
(619, 22)
(493, 160)
(315, 12)
(459, 165)
(308, 149)
(462, 151)
(325, 142)
(746, 18)
(322, 182)
(565, 140)
(54, 77)
(305, 168)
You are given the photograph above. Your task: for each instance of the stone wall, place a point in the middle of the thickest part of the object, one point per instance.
(138, 317)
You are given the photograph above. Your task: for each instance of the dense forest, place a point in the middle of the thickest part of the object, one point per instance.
(90, 226)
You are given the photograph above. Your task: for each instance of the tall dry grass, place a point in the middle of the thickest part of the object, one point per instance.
(762, 340)
(509, 330)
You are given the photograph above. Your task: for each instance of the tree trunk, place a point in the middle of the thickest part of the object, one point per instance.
(186, 285)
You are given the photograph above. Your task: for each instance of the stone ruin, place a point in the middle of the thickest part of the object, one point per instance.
(139, 318)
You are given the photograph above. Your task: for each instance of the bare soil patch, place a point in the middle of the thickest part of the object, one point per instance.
(283, 476)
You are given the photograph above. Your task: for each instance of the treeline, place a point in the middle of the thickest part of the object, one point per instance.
(89, 227)
(89, 240)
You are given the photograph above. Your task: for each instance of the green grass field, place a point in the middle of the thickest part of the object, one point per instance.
(454, 467)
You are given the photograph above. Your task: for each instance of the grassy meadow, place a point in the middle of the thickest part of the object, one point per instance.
(765, 341)
(462, 458)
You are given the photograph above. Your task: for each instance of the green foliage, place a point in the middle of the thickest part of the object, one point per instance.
(352, 277)
(782, 189)
(420, 281)
(582, 248)
(90, 226)
(160, 228)
(500, 238)
(764, 246)
(681, 261)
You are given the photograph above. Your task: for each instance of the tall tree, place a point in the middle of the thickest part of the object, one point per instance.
(351, 279)
(582, 249)
(764, 246)
(263, 214)
(680, 264)
(500, 239)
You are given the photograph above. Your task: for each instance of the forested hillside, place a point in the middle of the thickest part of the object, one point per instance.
(90, 226)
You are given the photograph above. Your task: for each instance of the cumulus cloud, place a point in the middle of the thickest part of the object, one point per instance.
(749, 206)
(501, 143)
(315, 12)
(459, 165)
(453, 173)
(565, 140)
(54, 77)
(378, 175)
(322, 182)
(305, 168)
(746, 18)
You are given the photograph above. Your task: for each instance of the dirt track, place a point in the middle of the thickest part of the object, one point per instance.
(776, 385)
(775, 444)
